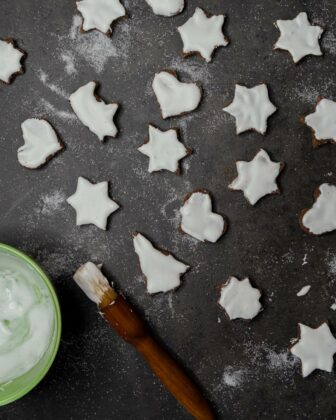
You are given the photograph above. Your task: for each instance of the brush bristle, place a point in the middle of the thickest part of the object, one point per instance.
(93, 283)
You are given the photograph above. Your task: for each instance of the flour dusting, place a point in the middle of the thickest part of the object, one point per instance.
(233, 378)
(52, 202)
(46, 107)
(93, 47)
(52, 86)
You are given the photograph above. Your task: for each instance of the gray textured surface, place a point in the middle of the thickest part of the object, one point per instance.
(243, 367)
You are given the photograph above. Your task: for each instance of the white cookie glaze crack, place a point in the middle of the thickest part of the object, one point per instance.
(93, 112)
(100, 14)
(161, 269)
(166, 8)
(315, 348)
(323, 122)
(10, 60)
(202, 34)
(257, 178)
(198, 219)
(164, 150)
(299, 37)
(251, 108)
(240, 299)
(321, 217)
(41, 143)
(175, 97)
(92, 203)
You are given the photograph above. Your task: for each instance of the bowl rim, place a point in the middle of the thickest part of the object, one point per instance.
(58, 322)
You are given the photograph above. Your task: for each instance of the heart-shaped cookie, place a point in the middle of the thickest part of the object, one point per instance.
(175, 97)
(41, 143)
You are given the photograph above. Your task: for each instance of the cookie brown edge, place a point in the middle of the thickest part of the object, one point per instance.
(166, 253)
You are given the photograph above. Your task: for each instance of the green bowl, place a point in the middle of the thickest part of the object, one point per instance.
(20, 386)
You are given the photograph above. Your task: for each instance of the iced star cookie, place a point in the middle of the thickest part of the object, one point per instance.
(198, 219)
(10, 60)
(240, 299)
(299, 37)
(164, 150)
(93, 112)
(323, 122)
(315, 348)
(202, 34)
(100, 14)
(321, 218)
(92, 203)
(161, 269)
(166, 8)
(41, 143)
(251, 108)
(175, 97)
(257, 178)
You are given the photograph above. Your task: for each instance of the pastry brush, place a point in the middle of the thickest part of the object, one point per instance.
(129, 325)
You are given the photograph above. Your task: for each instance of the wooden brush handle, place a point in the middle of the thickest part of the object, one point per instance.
(133, 330)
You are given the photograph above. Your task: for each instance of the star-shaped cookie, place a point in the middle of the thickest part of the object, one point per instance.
(161, 269)
(10, 60)
(316, 348)
(164, 150)
(240, 299)
(100, 14)
(251, 108)
(92, 203)
(202, 34)
(299, 37)
(257, 178)
(321, 218)
(323, 122)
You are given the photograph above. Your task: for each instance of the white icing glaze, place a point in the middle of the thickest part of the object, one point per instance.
(199, 221)
(321, 218)
(94, 114)
(257, 178)
(166, 7)
(240, 299)
(162, 271)
(323, 120)
(175, 97)
(299, 37)
(163, 149)
(303, 291)
(333, 306)
(10, 60)
(41, 143)
(99, 14)
(202, 34)
(316, 348)
(92, 203)
(251, 108)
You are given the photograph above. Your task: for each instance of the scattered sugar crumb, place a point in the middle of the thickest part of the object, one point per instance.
(93, 47)
(219, 320)
(288, 257)
(54, 88)
(69, 60)
(233, 378)
(303, 291)
(46, 106)
(333, 306)
(52, 202)
(305, 260)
